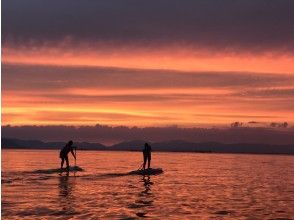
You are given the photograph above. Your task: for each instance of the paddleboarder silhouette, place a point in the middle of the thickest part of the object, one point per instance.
(147, 155)
(64, 154)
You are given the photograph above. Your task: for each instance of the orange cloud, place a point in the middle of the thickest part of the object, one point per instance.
(173, 58)
(159, 105)
(183, 108)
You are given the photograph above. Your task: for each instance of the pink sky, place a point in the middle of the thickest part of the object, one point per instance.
(179, 66)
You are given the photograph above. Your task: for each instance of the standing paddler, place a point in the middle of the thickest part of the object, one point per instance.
(64, 152)
(147, 155)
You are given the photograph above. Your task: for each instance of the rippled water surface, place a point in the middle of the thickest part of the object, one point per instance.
(193, 186)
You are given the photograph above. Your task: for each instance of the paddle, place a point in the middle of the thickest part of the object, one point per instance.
(141, 166)
(75, 156)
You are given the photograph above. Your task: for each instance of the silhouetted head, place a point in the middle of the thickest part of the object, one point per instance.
(146, 145)
(70, 142)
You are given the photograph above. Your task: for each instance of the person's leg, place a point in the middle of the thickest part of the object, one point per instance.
(62, 161)
(145, 160)
(67, 163)
(149, 160)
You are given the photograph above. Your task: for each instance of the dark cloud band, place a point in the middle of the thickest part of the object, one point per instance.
(29, 77)
(254, 25)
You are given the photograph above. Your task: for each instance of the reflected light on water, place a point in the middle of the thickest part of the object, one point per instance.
(193, 186)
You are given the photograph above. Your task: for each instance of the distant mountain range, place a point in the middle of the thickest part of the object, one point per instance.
(167, 146)
(12, 143)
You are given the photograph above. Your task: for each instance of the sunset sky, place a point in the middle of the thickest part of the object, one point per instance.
(147, 63)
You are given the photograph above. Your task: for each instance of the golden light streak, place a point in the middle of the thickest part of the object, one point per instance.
(181, 112)
(149, 91)
(161, 58)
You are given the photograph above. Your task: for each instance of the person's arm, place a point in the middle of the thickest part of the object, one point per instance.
(72, 152)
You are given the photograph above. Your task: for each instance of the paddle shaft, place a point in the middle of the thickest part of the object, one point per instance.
(140, 166)
(75, 156)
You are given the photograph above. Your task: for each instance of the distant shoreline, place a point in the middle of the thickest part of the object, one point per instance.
(167, 146)
(138, 151)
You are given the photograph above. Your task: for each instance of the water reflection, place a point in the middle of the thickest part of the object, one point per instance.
(194, 186)
(64, 188)
(145, 197)
(147, 185)
(66, 193)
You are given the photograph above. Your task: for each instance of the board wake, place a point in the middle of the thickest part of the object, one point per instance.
(150, 171)
(51, 171)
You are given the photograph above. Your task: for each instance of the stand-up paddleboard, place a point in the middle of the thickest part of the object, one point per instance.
(150, 171)
(49, 171)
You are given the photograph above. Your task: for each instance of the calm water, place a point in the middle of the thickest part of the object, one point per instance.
(193, 186)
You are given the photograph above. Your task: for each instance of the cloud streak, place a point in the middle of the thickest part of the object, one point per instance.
(52, 77)
(80, 95)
